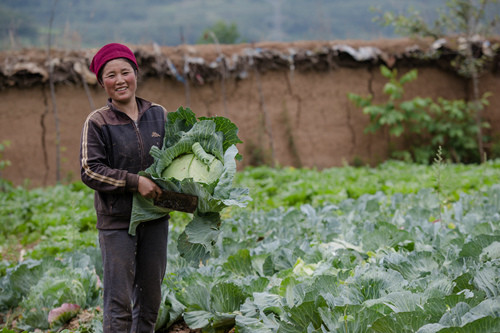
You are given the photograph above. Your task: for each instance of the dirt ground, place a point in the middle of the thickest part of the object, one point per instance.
(85, 317)
(180, 327)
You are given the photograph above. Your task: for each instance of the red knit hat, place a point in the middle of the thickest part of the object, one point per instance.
(109, 52)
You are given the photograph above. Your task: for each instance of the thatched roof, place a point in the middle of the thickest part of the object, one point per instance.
(205, 63)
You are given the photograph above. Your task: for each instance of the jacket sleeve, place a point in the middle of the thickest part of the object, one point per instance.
(94, 167)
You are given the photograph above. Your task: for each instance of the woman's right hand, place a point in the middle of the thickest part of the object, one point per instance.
(147, 188)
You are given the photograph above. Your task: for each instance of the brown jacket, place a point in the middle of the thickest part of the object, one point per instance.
(113, 150)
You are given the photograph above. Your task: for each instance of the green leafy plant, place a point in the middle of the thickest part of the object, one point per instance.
(39, 286)
(205, 140)
(422, 123)
(3, 163)
(376, 261)
(342, 249)
(468, 22)
(45, 221)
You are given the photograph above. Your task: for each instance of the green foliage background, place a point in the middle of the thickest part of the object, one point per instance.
(348, 246)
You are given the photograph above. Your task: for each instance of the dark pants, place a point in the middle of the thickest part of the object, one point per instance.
(134, 267)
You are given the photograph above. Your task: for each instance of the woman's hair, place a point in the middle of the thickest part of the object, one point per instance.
(134, 67)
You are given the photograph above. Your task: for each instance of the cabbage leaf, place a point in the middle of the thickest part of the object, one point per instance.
(207, 138)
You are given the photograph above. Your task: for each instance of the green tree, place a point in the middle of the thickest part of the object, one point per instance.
(470, 21)
(220, 33)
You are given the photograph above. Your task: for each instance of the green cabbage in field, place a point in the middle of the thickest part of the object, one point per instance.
(198, 158)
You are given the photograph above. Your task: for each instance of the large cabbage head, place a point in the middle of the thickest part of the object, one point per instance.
(198, 157)
(190, 166)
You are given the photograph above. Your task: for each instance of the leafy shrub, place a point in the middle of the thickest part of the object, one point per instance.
(423, 123)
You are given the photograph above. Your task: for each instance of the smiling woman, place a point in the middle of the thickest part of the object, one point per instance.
(115, 144)
(119, 80)
(117, 71)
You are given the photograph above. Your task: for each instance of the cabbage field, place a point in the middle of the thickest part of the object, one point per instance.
(395, 248)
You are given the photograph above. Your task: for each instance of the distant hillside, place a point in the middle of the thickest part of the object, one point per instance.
(91, 23)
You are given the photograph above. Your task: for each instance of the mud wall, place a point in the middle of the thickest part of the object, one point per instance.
(299, 118)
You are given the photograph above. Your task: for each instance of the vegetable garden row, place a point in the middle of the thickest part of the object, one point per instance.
(396, 248)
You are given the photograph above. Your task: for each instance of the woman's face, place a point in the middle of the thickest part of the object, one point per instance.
(119, 81)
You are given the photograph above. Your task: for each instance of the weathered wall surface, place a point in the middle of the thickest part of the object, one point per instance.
(296, 117)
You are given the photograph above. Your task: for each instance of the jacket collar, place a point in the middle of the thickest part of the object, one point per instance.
(142, 106)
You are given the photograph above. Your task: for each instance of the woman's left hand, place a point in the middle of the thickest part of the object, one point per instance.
(148, 189)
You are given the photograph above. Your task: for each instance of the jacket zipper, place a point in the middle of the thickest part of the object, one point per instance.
(139, 138)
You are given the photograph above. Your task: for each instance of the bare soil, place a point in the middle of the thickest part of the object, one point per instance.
(85, 317)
